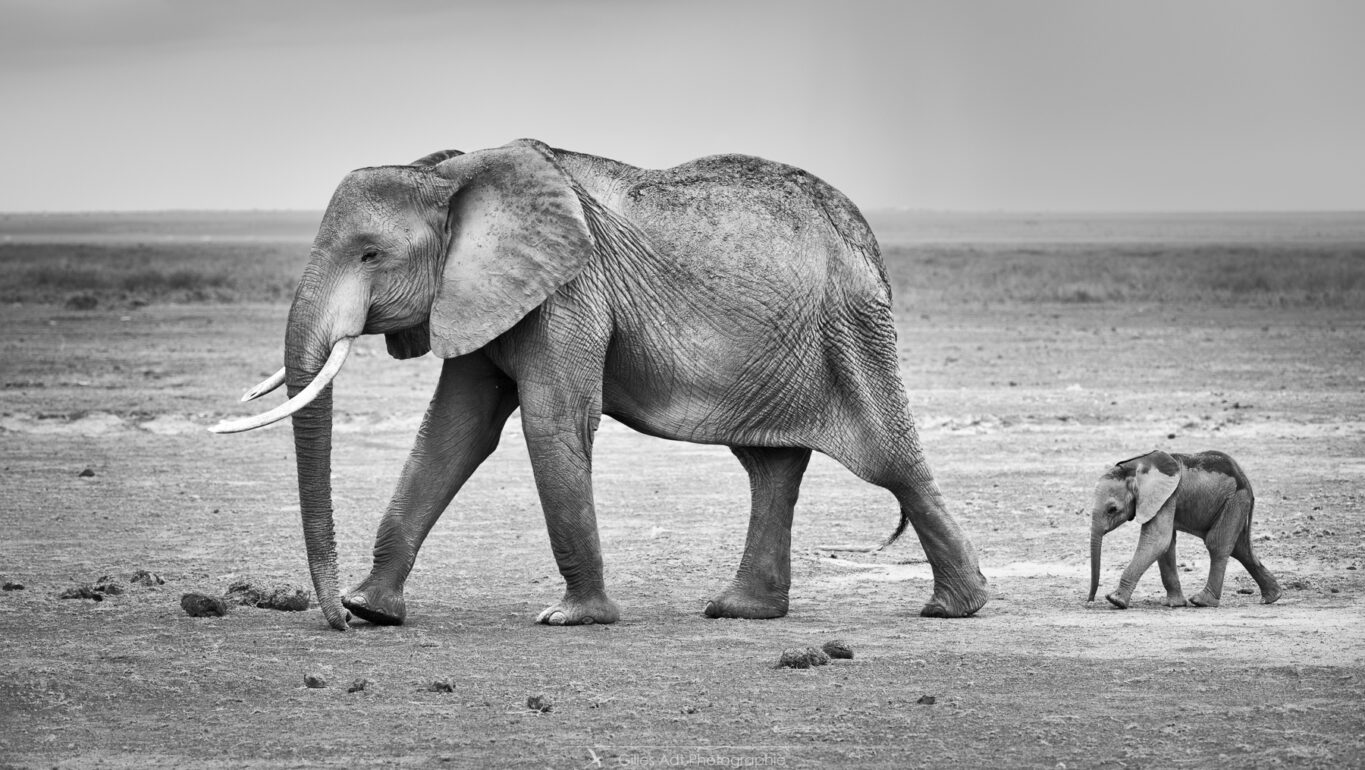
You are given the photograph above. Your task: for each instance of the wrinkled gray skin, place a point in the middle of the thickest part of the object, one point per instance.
(730, 300)
(1204, 494)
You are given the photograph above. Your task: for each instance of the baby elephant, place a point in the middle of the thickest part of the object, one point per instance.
(1204, 494)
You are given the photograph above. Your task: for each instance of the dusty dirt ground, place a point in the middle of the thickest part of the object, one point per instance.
(1020, 408)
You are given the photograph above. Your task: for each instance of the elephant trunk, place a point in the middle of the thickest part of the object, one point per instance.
(315, 337)
(1096, 538)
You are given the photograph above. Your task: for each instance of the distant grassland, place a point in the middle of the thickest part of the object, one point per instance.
(91, 261)
(89, 275)
(1274, 274)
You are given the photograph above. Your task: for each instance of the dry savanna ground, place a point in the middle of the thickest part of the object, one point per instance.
(1037, 350)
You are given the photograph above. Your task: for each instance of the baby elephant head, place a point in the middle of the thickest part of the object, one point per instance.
(1132, 490)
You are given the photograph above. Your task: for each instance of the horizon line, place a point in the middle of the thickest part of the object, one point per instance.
(893, 209)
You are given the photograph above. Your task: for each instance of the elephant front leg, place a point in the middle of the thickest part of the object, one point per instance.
(1154, 541)
(1170, 577)
(471, 404)
(760, 587)
(561, 458)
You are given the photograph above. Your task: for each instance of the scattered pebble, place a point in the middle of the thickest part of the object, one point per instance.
(87, 473)
(314, 681)
(927, 700)
(201, 606)
(108, 585)
(12, 586)
(1245, 591)
(538, 703)
(802, 658)
(358, 685)
(838, 649)
(441, 685)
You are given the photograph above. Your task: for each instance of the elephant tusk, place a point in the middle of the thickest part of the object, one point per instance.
(268, 384)
(323, 379)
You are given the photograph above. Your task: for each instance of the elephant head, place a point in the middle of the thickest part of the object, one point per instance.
(1133, 490)
(441, 255)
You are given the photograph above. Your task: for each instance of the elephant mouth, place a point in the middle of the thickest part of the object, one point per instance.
(304, 397)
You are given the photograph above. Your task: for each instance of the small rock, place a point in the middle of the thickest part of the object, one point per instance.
(441, 685)
(87, 473)
(1245, 591)
(538, 703)
(358, 685)
(927, 700)
(12, 586)
(144, 578)
(838, 649)
(314, 681)
(108, 585)
(84, 591)
(198, 605)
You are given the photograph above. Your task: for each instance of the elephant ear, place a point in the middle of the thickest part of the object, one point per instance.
(517, 232)
(1155, 478)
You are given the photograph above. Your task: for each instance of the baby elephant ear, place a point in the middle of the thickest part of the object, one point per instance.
(516, 234)
(1156, 476)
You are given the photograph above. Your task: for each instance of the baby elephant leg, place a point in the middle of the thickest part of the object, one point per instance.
(1170, 576)
(1221, 539)
(1270, 588)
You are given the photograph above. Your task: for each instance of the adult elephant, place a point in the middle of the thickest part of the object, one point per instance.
(730, 300)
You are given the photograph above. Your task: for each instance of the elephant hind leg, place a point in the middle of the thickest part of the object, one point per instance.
(1270, 588)
(759, 589)
(891, 458)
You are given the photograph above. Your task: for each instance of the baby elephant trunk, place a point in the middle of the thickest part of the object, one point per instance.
(1096, 536)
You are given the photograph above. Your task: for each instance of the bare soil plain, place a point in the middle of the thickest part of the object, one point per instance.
(1037, 351)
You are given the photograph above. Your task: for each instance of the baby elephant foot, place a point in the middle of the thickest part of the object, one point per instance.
(1204, 599)
(382, 607)
(1118, 601)
(1175, 600)
(1270, 594)
(738, 602)
(580, 611)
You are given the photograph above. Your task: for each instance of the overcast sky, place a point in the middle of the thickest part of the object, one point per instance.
(1013, 105)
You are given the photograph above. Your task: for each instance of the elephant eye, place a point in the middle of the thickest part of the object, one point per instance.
(369, 255)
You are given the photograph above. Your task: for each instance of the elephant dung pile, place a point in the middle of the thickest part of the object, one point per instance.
(245, 594)
(810, 657)
(281, 597)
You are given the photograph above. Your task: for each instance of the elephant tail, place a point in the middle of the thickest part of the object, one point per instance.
(900, 529)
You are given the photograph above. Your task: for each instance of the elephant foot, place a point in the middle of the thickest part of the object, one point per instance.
(377, 605)
(580, 611)
(1174, 600)
(1204, 599)
(1270, 594)
(736, 602)
(956, 604)
(1118, 601)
